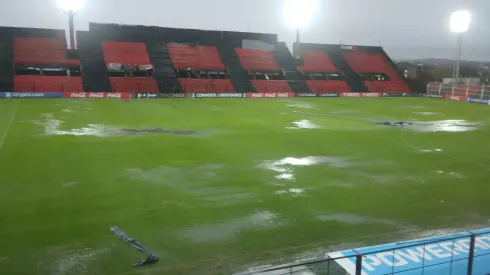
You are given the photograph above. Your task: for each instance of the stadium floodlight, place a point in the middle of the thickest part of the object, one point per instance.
(297, 14)
(71, 7)
(460, 23)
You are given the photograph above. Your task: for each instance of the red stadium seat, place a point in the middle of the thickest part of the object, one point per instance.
(376, 63)
(316, 61)
(41, 51)
(332, 86)
(271, 86)
(256, 60)
(133, 85)
(195, 57)
(125, 53)
(192, 85)
(28, 83)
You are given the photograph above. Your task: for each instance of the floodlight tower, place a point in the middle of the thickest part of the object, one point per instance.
(460, 22)
(71, 7)
(298, 14)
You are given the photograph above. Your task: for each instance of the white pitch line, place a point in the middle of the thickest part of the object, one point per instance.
(5, 134)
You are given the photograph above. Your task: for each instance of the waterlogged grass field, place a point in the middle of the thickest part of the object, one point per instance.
(218, 186)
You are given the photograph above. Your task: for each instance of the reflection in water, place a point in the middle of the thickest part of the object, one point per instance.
(304, 124)
(285, 166)
(227, 230)
(451, 125)
(52, 127)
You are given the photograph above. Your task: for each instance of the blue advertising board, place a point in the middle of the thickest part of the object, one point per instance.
(31, 95)
(439, 255)
(477, 100)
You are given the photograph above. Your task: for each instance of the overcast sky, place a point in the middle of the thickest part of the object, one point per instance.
(407, 29)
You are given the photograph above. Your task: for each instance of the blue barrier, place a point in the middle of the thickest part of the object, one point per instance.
(31, 95)
(452, 254)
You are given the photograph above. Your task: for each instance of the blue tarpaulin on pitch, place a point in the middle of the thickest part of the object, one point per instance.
(431, 256)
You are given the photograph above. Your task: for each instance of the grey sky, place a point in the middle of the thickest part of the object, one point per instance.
(407, 29)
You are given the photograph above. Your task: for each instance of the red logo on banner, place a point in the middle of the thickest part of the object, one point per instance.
(96, 95)
(455, 97)
(269, 95)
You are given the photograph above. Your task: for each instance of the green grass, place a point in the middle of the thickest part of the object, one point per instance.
(204, 202)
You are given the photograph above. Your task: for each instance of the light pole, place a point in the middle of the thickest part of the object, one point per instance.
(460, 22)
(298, 14)
(71, 7)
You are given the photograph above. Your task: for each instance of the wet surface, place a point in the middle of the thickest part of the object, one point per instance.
(52, 127)
(301, 105)
(61, 260)
(295, 192)
(305, 124)
(430, 150)
(285, 167)
(227, 230)
(434, 126)
(355, 219)
(425, 113)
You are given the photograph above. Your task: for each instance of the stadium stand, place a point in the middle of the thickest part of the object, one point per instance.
(49, 55)
(120, 58)
(372, 64)
(263, 62)
(36, 83)
(319, 62)
(41, 51)
(199, 64)
(128, 53)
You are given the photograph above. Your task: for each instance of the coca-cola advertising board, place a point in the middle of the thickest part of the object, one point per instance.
(96, 95)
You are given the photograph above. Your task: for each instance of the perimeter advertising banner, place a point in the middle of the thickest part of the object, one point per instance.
(455, 97)
(218, 95)
(434, 95)
(432, 256)
(31, 95)
(96, 95)
(269, 95)
(360, 94)
(400, 95)
(316, 94)
(161, 95)
(478, 100)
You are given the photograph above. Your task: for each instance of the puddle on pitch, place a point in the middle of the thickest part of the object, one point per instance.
(60, 260)
(301, 105)
(52, 128)
(227, 230)
(304, 124)
(285, 167)
(425, 113)
(449, 174)
(66, 111)
(356, 219)
(295, 192)
(198, 181)
(453, 125)
(65, 185)
(430, 150)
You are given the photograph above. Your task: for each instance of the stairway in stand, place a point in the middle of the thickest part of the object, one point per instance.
(352, 78)
(229, 57)
(286, 62)
(164, 73)
(94, 72)
(6, 61)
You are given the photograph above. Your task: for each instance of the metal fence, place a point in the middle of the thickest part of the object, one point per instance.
(469, 254)
(475, 91)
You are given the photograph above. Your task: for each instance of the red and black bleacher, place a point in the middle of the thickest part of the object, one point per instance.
(262, 63)
(128, 53)
(48, 55)
(200, 69)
